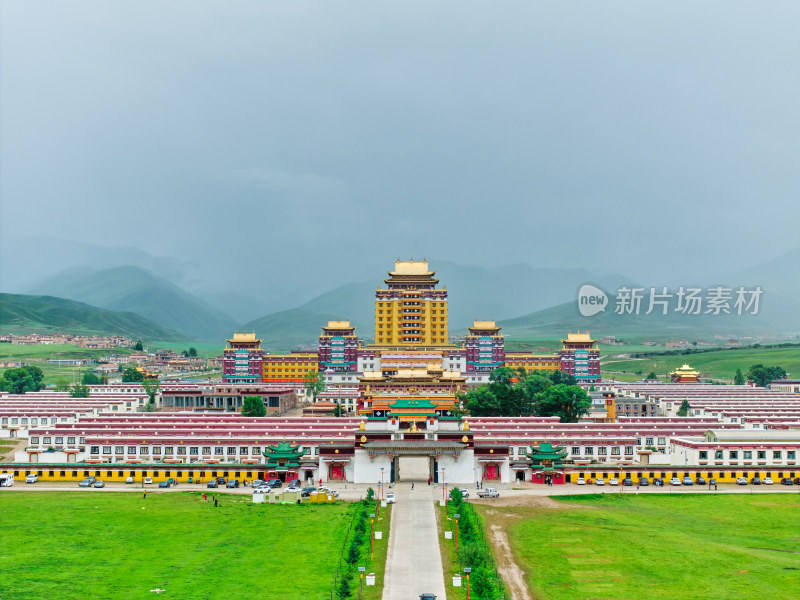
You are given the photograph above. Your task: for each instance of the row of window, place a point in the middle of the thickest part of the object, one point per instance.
(182, 450)
(33, 420)
(748, 454)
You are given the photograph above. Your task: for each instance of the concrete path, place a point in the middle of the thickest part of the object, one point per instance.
(413, 562)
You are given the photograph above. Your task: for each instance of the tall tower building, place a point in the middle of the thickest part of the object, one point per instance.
(411, 311)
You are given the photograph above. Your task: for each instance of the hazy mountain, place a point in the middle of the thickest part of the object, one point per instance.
(134, 289)
(47, 314)
(289, 329)
(558, 320)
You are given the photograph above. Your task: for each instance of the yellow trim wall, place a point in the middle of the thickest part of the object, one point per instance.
(119, 473)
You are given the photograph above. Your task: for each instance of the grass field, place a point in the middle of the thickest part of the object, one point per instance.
(657, 547)
(118, 545)
(719, 364)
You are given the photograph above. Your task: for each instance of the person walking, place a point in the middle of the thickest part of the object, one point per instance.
(144, 495)
(412, 485)
(204, 496)
(215, 502)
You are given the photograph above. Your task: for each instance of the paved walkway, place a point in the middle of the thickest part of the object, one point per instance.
(413, 563)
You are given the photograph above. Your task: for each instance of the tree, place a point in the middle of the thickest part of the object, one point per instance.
(337, 410)
(132, 374)
(139, 347)
(344, 591)
(568, 402)
(21, 380)
(683, 411)
(193, 352)
(79, 390)
(151, 387)
(253, 406)
(652, 375)
(353, 554)
(738, 379)
(481, 402)
(61, 384)
(314, 383)
(90, 378)
(761, 375)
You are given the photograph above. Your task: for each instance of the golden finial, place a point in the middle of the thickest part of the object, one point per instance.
(466, 425)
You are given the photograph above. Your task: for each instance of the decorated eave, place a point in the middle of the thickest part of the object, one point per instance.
(546, 451)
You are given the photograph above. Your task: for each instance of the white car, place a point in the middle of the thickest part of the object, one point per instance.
(33, 478)
(390, 498)
(580, 481)
(741, 481)
(767, 481)
(613, 481)
(329, 491)
(599, 481)
(148, 480)
(674, 481)
(464, 493)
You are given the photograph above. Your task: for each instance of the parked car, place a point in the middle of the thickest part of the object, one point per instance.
(658, 482)
(257, 483)
(221, 480)
(88, 482)
(328, 490)
(674, 481)
(599, 481)
(488, 493)
(148, 480)
(291, 488)
(163, 484)
(233, 483)
(464, 493)
(306, 491)
(580, 481)
(613, 481)
(741, 481)
(756, 480)
(212, 484)
(98, 484)
(129, 479)
(274, 483)
(797, 480)
(767, 481)
(32, 478)
(390, 498)
(687, 481)
(427, 597)
(700, 480)
(786, 481)
(627, 481)
(644, 481)
(295, 483)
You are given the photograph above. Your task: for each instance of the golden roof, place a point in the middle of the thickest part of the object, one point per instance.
(411, 267)
(579, 337)
(685, 370)
(337, 325)
(244, 337)
(484, 325)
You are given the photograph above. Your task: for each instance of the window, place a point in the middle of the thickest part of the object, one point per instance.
(193, 450)
(218, 450)
(734, 454)
(35, 440)
(762, 455)
(589, 450)
(648, 441)
(206, 449)
(34, 421)
(144, 450)
(703, 454)
(243, 450)
(628, 450)
(47, 440)
(71, 441)
(24, 420)
(662, 441)
(59, 440)
(615, 451)
(168, 450)
(106, 449)
(717, 454)
(790, 454)
(94, 450)
(119, 450)
(231, 450)
(776, 454)
(602, 451)
(748, 454)
(156, 449)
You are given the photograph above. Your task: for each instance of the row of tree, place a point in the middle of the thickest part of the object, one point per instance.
(512, 393)
(22, 379)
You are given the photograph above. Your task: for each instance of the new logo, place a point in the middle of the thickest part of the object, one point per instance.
(591, 300)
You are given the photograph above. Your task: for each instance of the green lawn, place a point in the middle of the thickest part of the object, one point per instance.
(720, 364)
(118, 545)
(658, 547)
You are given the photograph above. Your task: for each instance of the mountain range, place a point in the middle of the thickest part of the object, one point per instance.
(528, 302)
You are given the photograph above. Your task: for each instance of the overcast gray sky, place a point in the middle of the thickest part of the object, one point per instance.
(277, 138)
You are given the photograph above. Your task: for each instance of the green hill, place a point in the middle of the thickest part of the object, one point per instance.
(45, 314)
(288, 329)
(140, 291)
(773, 320)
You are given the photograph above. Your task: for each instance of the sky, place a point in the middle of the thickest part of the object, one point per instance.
(269, 143)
